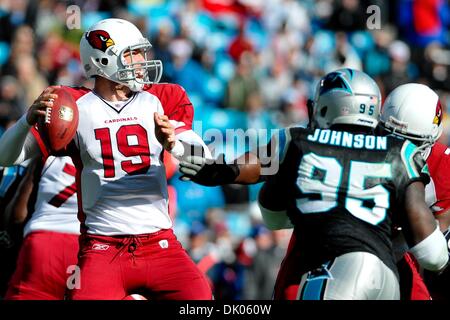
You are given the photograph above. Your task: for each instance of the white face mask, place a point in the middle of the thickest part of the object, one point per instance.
(426, 151)
(138, 70)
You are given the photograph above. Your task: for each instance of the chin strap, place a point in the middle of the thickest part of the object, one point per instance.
(425, 150)
(310, 108)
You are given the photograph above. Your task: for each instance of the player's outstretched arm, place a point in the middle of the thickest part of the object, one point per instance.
(244, 170)
(17, 144)
(247, 169)
(273, 207)
(426, 241)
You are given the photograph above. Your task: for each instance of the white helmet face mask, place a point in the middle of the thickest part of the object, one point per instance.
(347, 96)
(116, 50)
(413, 111)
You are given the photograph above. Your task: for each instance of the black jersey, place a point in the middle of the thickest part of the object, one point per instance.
(342, 190)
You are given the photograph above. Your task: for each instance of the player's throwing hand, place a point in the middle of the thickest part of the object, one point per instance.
(37, 109)
(164, 131)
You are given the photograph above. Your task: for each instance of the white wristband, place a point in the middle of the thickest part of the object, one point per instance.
(178, 150)
(275, 220)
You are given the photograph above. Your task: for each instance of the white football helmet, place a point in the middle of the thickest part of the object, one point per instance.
(347, 96)
(102, 50)
(413, 111)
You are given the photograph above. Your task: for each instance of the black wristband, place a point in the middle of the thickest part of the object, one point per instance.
(215, 174)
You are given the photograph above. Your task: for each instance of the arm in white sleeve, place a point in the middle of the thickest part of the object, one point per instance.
(275, 220)
(431, 252)
(17, 144)
(190, 138)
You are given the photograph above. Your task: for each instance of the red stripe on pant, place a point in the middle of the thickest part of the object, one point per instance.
(153, 265)
(412, 286)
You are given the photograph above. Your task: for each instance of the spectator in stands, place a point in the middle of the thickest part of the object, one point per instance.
(242, 84)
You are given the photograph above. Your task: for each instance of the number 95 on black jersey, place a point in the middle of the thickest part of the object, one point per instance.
(343, 189)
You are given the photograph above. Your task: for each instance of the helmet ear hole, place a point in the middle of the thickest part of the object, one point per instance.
(104, 61)
(323, 111)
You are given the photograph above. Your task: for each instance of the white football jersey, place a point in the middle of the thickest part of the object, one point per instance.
(119, 159)
(56, 203)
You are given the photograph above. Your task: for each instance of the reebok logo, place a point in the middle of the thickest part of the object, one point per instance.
(100, 246)
(164, 244)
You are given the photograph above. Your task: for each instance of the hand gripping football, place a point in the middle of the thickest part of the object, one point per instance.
(60, 123)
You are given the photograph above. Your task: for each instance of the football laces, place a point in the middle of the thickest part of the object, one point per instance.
(48, 114)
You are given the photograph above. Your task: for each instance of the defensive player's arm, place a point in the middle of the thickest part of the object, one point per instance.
(273, 198)
(426, 241)
(247, 169)
(273, 209)
(17, 208)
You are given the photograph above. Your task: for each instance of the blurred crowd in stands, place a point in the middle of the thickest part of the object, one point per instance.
(245, 64)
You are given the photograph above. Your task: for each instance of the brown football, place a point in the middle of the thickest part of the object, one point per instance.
(59, 125)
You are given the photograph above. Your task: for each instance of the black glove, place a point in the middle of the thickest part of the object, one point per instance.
(208, 172)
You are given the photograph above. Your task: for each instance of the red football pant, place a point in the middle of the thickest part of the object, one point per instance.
(154, 265)
(412, 286)
(288, 279)
(42, 266)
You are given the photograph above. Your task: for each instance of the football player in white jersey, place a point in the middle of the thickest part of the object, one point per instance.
(414, 111)
(127, 244)
(48, 255)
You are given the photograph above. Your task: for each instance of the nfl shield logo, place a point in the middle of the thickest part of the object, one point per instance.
(164, 244)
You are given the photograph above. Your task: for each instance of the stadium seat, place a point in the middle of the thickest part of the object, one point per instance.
(323, 42)
(362, 41)
(194, 200)
(224, 67)
(239, 223)
(4, 52)
(257, 34)
(224, 119)
(215, 89)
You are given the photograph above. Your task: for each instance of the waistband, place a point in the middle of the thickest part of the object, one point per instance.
(121, 238)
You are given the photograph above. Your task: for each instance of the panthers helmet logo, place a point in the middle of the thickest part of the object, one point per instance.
(438, 117)
(99, 39)
(334, 81)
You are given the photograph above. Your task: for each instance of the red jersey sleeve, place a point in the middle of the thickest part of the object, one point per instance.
(438, 164)
(77, 92)
(40, 141)
(175, 103)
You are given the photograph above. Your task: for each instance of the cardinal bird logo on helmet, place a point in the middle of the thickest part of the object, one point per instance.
(99, 39)
(438, 117)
